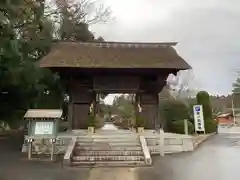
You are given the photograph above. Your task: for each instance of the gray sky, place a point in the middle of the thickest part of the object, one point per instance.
(207, 32)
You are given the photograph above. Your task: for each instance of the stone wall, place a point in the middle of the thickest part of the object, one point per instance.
(41, 146)
(173, 143)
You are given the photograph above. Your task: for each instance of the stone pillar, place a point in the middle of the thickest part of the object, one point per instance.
(186, 126)
(150, 108)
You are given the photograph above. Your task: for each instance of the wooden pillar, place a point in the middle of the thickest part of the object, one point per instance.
(149, 105)
(137, 101)
(70, 113)
(94, 101)
(81, 98)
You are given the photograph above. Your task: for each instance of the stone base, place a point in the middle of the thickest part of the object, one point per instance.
(140, 129)
(173, 143)
(91, 130)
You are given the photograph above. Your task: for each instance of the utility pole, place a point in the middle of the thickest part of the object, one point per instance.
(233, 111)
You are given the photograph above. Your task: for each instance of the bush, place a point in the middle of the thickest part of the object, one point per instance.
(204, 100)
(173, 111)
(63, 126)
(91, 121)
(140, 121)
(99, 121)
(210, 126)
(178, 127)
(121, 124)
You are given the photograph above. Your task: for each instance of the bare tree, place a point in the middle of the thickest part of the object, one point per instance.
(83, 11)
(74, 18)
(181, 86)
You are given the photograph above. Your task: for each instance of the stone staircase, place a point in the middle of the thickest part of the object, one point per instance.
(109, 150)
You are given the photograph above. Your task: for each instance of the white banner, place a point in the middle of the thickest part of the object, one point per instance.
(198, 118)
(44, 128)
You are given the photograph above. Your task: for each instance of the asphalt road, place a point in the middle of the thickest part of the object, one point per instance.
(217, 159)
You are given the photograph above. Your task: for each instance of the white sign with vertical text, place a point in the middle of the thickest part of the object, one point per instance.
(198, 118)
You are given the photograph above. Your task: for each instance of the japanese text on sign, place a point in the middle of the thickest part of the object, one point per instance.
(44, 128)
(198, 118)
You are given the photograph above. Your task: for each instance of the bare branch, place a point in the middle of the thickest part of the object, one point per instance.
(181, 85)
(85, 11)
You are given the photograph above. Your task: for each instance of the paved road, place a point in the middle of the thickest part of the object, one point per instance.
(229, 130)
(14, 166)
(216, 159)
(109, 126)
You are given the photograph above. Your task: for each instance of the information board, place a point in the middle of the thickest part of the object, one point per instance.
(198, 118)
(44, 128)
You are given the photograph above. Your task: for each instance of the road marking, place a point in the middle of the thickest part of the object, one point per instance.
(113, 174)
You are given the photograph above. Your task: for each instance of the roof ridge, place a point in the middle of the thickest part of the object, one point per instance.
(124, 44)
(114, 55)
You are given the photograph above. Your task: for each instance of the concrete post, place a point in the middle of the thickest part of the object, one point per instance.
(30, 150)
(53, 150)
(161, 142)
(186, 126)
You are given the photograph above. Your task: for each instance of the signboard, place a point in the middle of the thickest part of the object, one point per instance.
(44, 128)
(198, 118)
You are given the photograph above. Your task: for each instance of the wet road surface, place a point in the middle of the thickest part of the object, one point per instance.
(14, 165)
(217, 159)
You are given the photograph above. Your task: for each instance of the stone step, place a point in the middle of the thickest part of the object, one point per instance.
(108, 163)
(107, 148)
(116, 132)
(114, 135)
(108, 153)
(108, 139)
(173, 148)
(107, 158)
(115, 144)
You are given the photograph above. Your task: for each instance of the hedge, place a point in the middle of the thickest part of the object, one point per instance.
(178, 127)
(204, 100)
(210, 126)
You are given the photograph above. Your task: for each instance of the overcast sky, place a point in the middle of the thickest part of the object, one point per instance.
(208, 32)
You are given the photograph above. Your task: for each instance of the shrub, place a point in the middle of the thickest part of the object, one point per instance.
(178, 127)
(63, 126)
(204, 100)
(140, 121)
(121, 124)
(172, 111)
(99, 121)
(91, 121)
(175, 110)
(210, 125)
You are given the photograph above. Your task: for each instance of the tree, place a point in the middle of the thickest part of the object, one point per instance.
(76, 16)
(173, 110)
(204, 100)
(123, 106)
(236, 92)
(181, 86)
(25, 37)
(27, 33)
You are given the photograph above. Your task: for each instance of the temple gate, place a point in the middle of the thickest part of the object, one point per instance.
(88, 69)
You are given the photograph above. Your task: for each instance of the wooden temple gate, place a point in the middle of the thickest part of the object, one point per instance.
(88, 69)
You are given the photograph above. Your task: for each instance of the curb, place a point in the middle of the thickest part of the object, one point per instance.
(197, 144)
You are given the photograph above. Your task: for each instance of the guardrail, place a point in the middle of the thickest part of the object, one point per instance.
(69, 152)
(145, 149)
